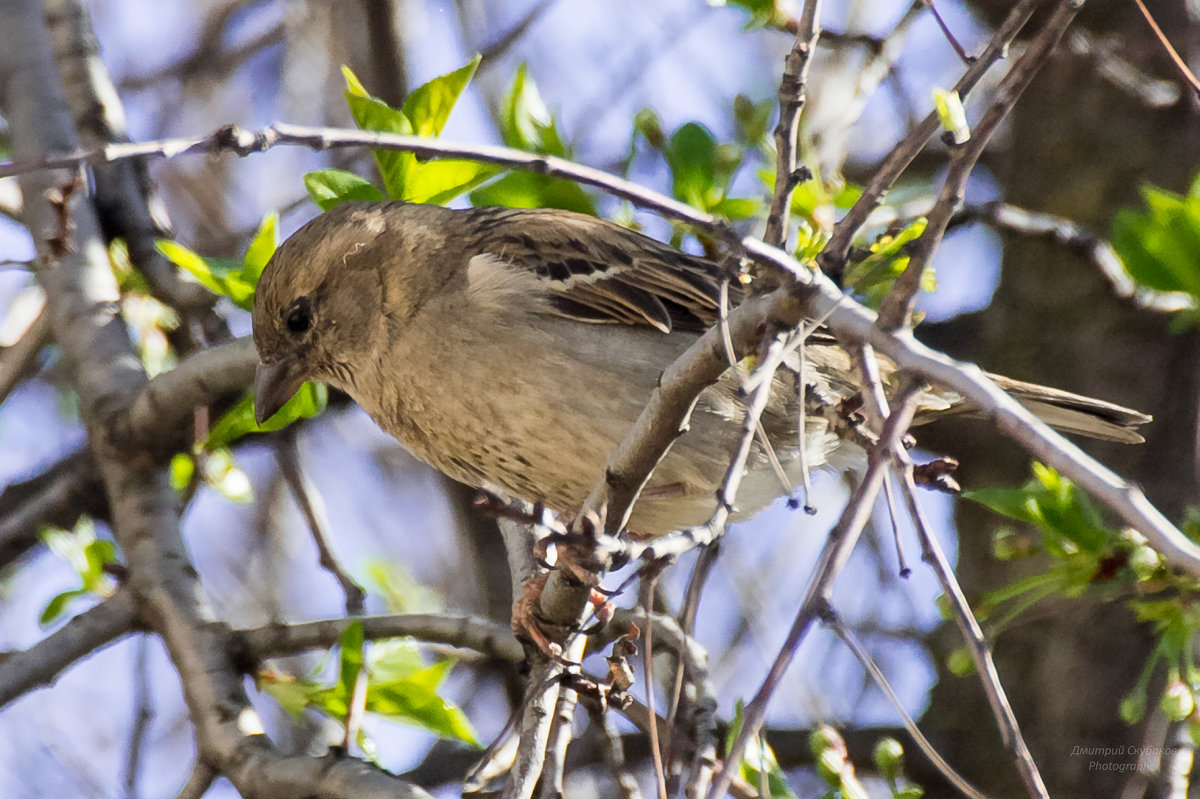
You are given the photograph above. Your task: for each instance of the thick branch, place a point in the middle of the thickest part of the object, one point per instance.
(278, 640)
(88, 632)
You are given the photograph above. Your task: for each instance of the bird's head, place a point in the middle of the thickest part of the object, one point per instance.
(321, 307)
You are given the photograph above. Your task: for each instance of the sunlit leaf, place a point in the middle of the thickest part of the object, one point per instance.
(239, 420)
(182, 467)
(330, 188)
(527, 190)
(758, 760)
(219, 275)
(951, 115)
(441, 181)
(1159, 245)
(57, 607)
(525, 121)
(223, 475)
(261, 248)
(428, 106)
(416, 701)
(691, 155)
(371, 113)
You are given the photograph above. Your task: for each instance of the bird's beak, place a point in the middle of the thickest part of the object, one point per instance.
(274, 385)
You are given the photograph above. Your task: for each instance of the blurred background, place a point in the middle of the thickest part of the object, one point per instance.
(1104, 117)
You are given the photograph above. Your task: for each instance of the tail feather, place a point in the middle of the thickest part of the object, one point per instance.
(1074, 413)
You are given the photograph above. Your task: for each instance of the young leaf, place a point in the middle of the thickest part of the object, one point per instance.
(261, 248)
(330, 188)
(951, 114)
(441, 181)
(239, 420)
(182, 467)
(56, 608)
(416, 700)
(428, 106)
(371, 113)
(526, 190)
(1159, 245)
(525, 121)
(691, 155)
(218, 275)
(351, 662)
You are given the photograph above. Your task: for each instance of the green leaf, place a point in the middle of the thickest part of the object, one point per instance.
(691, 155)
(1159, 245)
(1133, 707)
(261, 248)
(526, 190)
(428, 106)
(371, 113)
(239, 421)
(960, 662)
(951, 115)
(416, 700)
(182, 467)
(219, 275)
(294, 696)
(759, 759)
(525, 121)
(762, 12)
(57, 606)
(98, 554)
(753, 119)
(736, 208)
(1066, 516)
(351, 662)
(330, 188)
(441, 181)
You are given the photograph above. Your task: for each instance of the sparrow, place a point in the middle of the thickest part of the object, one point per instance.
(515, 348)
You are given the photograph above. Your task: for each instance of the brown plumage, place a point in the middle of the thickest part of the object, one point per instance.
(517, 347)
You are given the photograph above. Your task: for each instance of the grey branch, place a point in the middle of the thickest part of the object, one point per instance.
(466, 632)
(21, 672)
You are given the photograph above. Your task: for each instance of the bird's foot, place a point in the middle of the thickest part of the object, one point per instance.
(529, 624)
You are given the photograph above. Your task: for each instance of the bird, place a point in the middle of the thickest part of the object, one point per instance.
(515, 348)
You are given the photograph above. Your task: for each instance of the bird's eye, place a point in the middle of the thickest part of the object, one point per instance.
(298, 316)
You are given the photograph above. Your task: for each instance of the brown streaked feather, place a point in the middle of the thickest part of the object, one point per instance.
(596, 271)
(593, 270)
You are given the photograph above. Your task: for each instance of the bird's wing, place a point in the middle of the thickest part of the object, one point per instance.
(592, 270)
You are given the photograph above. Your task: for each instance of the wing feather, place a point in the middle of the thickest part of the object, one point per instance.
(596, 271)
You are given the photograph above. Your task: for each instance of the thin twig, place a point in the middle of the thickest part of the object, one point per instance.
(613, 750)
(833, 557)
(541, 697)
(1077, 239)
(17, 359)
(198, 782)
(1181, 66)
(792, 98)
(958, 48)
(287, 454)
(834, 622)
(143, 714)
(981, 655)
(896, 310)
(656, 754)
(465, 632)
(554, 770)
(833, 258)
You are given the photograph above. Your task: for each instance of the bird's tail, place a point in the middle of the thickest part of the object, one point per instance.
(1074, 413)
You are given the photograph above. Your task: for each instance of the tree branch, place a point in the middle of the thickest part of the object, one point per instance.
(88, 632)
